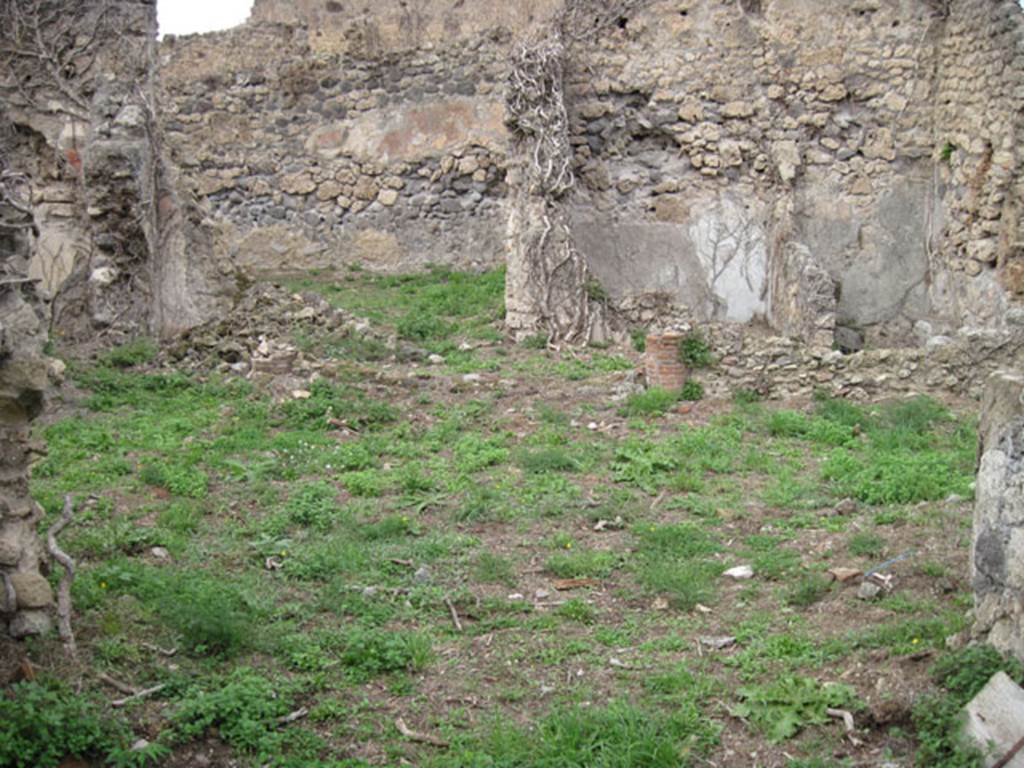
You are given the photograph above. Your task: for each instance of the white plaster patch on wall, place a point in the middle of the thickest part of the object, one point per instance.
(731, 247)
(414, 131)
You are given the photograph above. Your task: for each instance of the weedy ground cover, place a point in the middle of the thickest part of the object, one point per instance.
(518, 565)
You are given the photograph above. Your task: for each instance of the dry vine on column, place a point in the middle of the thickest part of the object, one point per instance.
(549, 280)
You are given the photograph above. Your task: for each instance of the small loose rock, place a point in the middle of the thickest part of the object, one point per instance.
(717, 642)
(740, 573)
(846, 507)
(869, 590)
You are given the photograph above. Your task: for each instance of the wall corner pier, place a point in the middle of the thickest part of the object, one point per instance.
(997, 553)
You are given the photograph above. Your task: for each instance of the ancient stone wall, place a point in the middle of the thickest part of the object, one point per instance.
(25, 594)
(370, 28)
(117, 245)
(782, 367)
(997, 557)
(729, 150)
(314, 159)
(846, 172)
(980, 165)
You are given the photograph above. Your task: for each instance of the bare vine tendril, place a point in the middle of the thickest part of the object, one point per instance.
(556, 273)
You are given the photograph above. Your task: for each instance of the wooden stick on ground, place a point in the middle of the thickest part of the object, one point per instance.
(847, 719)
(115, 683)
(67, 636)
(298, 714)
(423, 738)
(454, 614)
(118, 703)
(168, 652)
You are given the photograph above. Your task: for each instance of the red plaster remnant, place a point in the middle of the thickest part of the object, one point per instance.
(74, 159)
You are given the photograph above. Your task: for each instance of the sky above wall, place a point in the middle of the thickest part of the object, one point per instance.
(184, 17)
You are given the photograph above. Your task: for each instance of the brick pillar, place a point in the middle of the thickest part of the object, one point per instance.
(662, 364)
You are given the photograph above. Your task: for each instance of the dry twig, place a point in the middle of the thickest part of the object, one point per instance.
(454, 614)
(67, 636)
(118, 703)
(422, 738)
(116, 684)
(168, 652)
(847, 719)
(50, 51)
(298, 714)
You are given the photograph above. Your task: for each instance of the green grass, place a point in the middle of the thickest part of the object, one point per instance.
(780, 709)
(581, 564)
(494, 569)
(649, 464)
(651, 402)
(905, 636)
(913, 451)
(313, 544)
(367, 653)
(431, 308)
(695, 351)
(41, 723)
(578, 610)
(866, 544)
(808, 590)
(553, 459)
(618, 735)
(692, 391)
(676, 562)
(338, 403)
(137, 352)
(242, 707)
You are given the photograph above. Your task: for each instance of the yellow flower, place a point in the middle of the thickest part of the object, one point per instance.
(915, 641)
(103, 585)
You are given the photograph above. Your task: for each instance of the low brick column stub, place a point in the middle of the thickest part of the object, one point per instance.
(663, 366)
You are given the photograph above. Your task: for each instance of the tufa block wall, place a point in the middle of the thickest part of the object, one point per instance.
(845, 173)
(978, 125)
(316, 158)
(997, 556)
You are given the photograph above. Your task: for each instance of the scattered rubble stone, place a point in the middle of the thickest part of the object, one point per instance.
(993, 719)
(717, 642)
(847, 507)
(868, 590)
(254, 337)
(740, 573)
(843, 575)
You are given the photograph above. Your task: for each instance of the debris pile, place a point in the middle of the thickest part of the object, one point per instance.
(258, 336)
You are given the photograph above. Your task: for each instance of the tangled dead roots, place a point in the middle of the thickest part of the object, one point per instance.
(556, 275)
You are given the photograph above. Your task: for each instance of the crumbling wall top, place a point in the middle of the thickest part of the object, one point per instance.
(381, 26)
